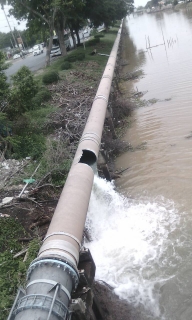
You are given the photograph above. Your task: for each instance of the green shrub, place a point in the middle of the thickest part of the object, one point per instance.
(42, 96)
(93, 32)
(50, 77)
(32, 145)
(92, 42)
(65, 65)
(81, 56)
(100, 35)
(24, 89)
(77, 56)
(71, 58)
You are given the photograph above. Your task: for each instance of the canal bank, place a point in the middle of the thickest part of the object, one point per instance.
(30, 210)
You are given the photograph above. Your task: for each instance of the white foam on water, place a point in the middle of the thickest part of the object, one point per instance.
(129, 243)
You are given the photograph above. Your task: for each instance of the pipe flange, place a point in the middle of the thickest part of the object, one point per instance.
(64, 265)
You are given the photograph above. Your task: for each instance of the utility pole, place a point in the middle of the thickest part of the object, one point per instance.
(2, 7)
(21, 39)
(12, 44)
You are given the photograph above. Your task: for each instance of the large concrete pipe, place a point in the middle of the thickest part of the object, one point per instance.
(53, 275)
(89, 145)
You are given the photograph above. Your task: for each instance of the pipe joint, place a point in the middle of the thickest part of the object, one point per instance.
(107, 77)
(60, 248)
(65, 266)
(61, 233)
(100, 96)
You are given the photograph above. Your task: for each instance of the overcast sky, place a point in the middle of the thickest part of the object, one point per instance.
(13, 22)
(140, 3)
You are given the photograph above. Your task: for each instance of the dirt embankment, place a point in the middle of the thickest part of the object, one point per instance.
(72, 97)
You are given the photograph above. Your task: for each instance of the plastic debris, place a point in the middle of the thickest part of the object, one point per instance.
(29, 180)
(4, 215)
(7, 200)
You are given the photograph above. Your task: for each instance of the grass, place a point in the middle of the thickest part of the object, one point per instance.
(104, 46)
(38, 117)
(12, 271)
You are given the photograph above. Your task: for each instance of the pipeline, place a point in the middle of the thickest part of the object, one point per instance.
(53, 275)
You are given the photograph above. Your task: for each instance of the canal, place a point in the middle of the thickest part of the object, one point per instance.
(142, 227)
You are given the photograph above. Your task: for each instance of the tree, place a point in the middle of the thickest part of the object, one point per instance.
(155, 3)
(36, 32)
(55, 13)
(52, 12)
(4, 87)
(107, 11)
(4, 94)
(5, 40)
(148, 5)
(99, 12)
(42, 10)
(69, 11)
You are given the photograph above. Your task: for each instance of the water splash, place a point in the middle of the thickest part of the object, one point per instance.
(129, 244)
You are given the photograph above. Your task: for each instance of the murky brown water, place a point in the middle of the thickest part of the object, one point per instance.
(162, 171)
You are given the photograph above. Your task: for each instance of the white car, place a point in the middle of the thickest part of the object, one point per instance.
(16, 56)
(37, 49)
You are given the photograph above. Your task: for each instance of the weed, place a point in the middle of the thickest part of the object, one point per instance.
(93, 42)
(42, 96)
(50, 77)
(76, 56)
(65, 65)
(100, 35)
(10, 231)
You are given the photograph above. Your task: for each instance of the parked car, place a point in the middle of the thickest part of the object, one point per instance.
(24, 52)
(56, 50)
(37, 49)
(16, 56)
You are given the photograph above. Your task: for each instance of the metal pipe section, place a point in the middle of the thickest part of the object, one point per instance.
(53, 275)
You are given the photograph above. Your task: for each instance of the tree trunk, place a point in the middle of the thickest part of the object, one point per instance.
(77, 35)
(106, 26)
(47, 60)
(73, 38)
(60, 33)
(59, 25)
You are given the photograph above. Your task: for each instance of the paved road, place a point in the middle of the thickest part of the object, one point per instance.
(33, 63)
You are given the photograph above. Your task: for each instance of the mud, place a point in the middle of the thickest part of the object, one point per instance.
(111, 306)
